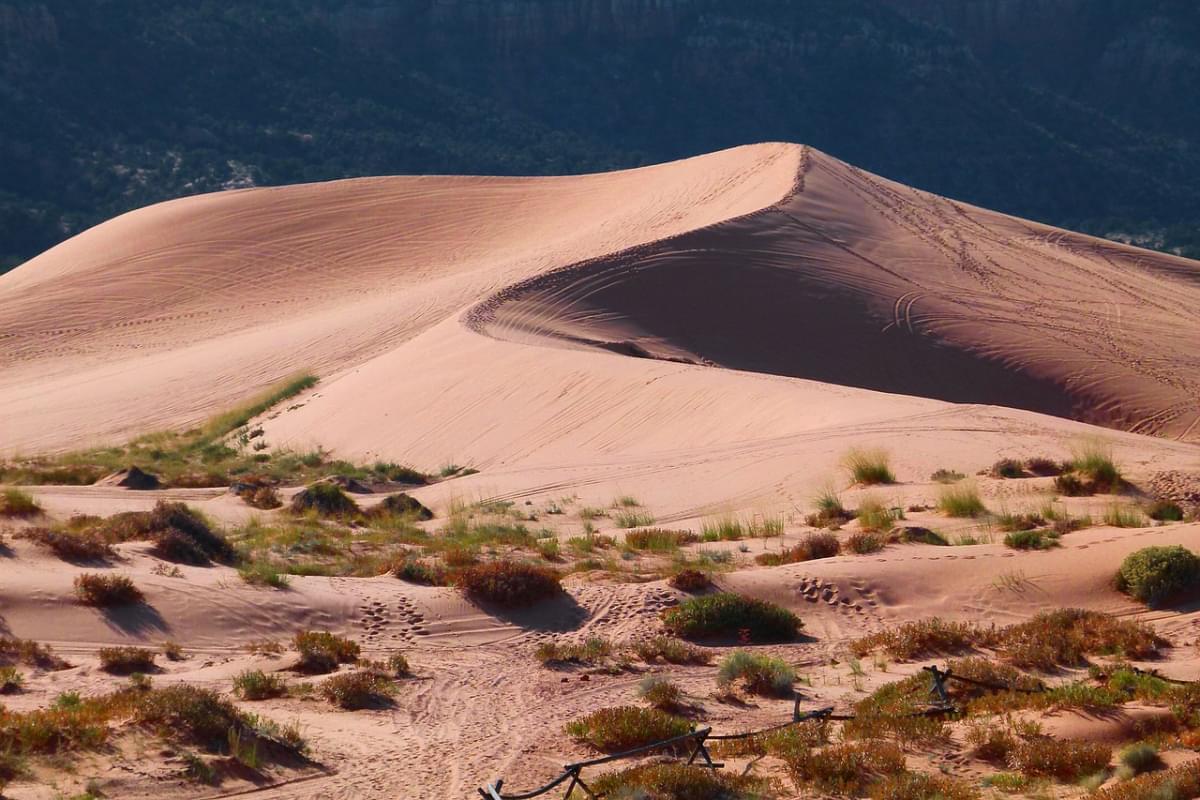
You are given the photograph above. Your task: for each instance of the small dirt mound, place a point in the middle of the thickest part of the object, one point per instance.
(401, 504)
(132, 478)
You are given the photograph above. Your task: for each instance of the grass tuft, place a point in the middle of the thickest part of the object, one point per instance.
(758, 674)
(258, 685)
(869, 467)
(18, 503)
(961, 500)
(672, 651)
(126, 660)
(612, 730)
(727, 614)
(359, 689)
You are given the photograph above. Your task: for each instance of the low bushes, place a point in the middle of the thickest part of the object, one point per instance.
(16, 503)
(811, 547)
(1090, 471)
(258, 685)
(359, 689)
(1155, 574)
(1007, 468)
(865, 542)
(672, 651)
(126, 660)
(922, 786)
(847, 769)
(27, 651)
(658, 540)
(1032, 540)
(660, 693)
(1065, 637)
(321, 652)
(933, 636)
(401, 505)
(1177, 783)
(690, 580)
(612, 730)
(1065, 759)
(509, 583)
(95, 589)
(724, 529)
(73, 547)
(874, 516)
(325, 499)
(946, 476)
(590, 651)
(1164, 511)
(758, 674)
(679, 782)
(727, 614)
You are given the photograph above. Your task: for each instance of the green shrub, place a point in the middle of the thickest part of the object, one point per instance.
(75, 547)
(1007, 468)
(1094, 462)
(612, 730)
(1155, 574)
(846, 769)
(326, 499)
(869, 467)
(1164, 511)
(321, 651)
(398, 666)
(590, 651)
(182, 534)
(1053, 639)
(1178, 783)
(258, 685)
(865, 542)
(1119, 516)
(126, 660)
(1042, 466)
(17, 503)
(358, 689)
(961, 500)
(920, 638)
(414, 570)
(11, 680)
(633, 519)
(94, 589)
(874, 516)
(509, 583)
(660, 693)
(1032, 540)
(727, 614)
(1140, 757)
(758, 674)
(657, 540)
(725, 529)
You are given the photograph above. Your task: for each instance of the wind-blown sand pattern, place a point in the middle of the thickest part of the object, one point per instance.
(710, 336)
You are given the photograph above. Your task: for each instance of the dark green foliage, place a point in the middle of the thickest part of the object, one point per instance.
(1032, 540)
(326, 499)
(1164, 511)
(1008, 468)
(728, 614)
(1156, 574)
(401, 505)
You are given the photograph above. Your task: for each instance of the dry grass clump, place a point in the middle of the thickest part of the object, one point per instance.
(865, 542)
(922, 786)
(11, 680)
(1042, 466)
(1154, 575)
(946, 476)
(95, 589)
(805, 735)
(631, 518)
(896, 711)
(658, 540)
(728, 614)
(678, 782)
(509, 583)
(933, 636)
(254, 684)
(363, 688)
(262, 497)
(1065, 759)
(758, 674)
(416, 570)
(672, 651)
(1007, 468)
(612, 730)
(691, 581)
(202, 717)
(811, 547)
(17, 503)
(321, 652)
(847, 769)
(590, 651)
(830, 512)
(660, 693)
(1065, 637)
(961, 500)
(27, 651)
(869, 467)
(874, 516)
(1177, 783)
(126, 660)
(77, 548)
(180, 533)
(1032, 540)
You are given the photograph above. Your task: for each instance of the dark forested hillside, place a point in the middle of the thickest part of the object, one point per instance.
(1077, 112)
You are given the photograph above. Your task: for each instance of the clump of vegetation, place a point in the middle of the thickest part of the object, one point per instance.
(27, 651)
(1123, 516)
(1138, 758)
(263, 573)
(363, 688)
(672, 651)
(1065, 637)
(1032, 540)
(1164, 511)
(874, 516)
(126, 660)
(1090, 471)
(830, 511)
(848, 769)
(869, 467)
(70, 546)
(201, 716)
(18, 503)
(401, 505)
(725, 529)
(679, 782)
(261, 496)
(612, 730)
(11, 680)
(258, 685)
(660, 693)
(658, 540)
(946, 476)
(922, 786)
(416, 570)
(1065, 759)
(1042, 466)
(918, 535)
(728, 614)
(1177, 783)
(865, 542)
(324, 499)
(509, 583)
(590, 651)
(1154, 575)
(921, 638)
(321, 651)
(691, 581)
(95, 589)
(758, 674)
(812, 546)
(961, 500)
(1007, 468)
(630, 518)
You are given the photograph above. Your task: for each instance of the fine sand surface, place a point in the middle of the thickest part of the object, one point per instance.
(709, 336)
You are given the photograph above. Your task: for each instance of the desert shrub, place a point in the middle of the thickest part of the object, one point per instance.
(1065, 637)
(1139, 757)
(896, 711)
(1164, 511)
(590, 651)
(258, 685)
(202, 717)
(758, 674)
(17, 503)
(846, 769)
(690, 580)
(1178, 783)
(946, 476)
(398, 665)
(326, 500)
(678, 782)
(401, 505)
(812, 546)
(869, 467)
(830, 511)
(961, 500)
(1007, 468)
(612, 730)
(27, 651)
(992, 743)
(359, 689)
(660, 693)
(1094, 462)
(727, 614)
(11, 680)
(185, 525)
(321, 651)
(95, 589)
(865, 542)
(1121, 516)
(672, 651)
(263, 572)
(910, 640)
(1064, 759)
(1156, 574)
(1028, 521)
(1032, 540)
(632, 518)
(875, 516)
(126, 660)
(262, 497)
(415, 570)
(1042, 466)
(81, 547)
(725, 529)
(509, 583)
(922, 786)
(658, 540)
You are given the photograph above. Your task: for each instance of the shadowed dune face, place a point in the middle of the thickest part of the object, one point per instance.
(858, 281)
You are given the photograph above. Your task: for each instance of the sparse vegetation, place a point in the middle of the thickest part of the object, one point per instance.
(611, 730)
(1123, 516)
(95, 589)
(1065, 759)
(1065, 637)
(869, 467)
(727, 614)
(258, 685)
(812, 546)
(1042, 466)
(725, 529)
(1164, 511)
(658, 540)
(11, 680)
(672, 651)
(321, 651)
(946, 476)
(126, 660)
(364, 688)
(961, 500)
(77, 548)
(847, 769)
(660, 693)
(1032, 540)
(1177, 783)
(263, 573)
(509, 583)
(830, 511)
(865, 542)
(590, 651)
(928, 637)
(1090, 471)
(691, 581)
(324, 499)
(1138, 758)
(1156, 574)
(632, 519)
(17, 503)
(1007, 468)
(922, 786)
(759, 674)
(677, 782)
(874, 516)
